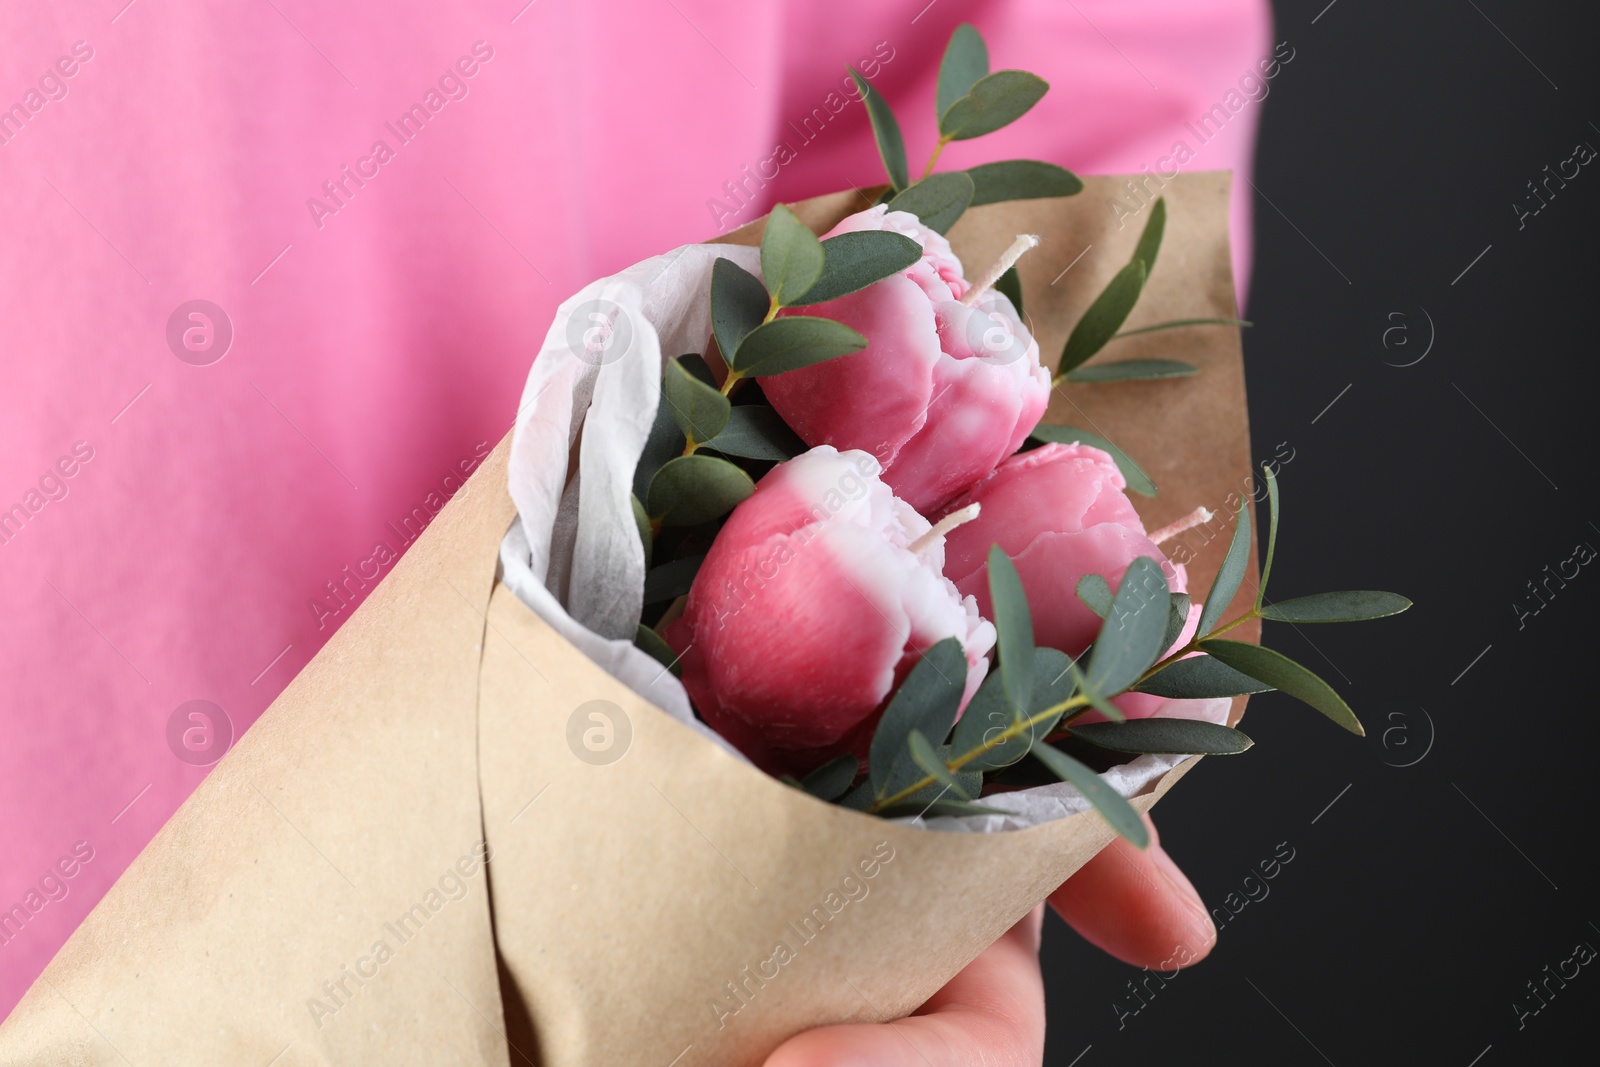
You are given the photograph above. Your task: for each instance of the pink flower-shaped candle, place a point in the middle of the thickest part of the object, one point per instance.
(943, 391)
(816, 599)
(1060, 512)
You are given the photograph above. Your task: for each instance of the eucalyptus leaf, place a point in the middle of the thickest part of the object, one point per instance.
(649, 641)
(1164, 736)
(664, 442)
(1097, 699)
(1138, 481)
(697, 366)
(700, 410)
(886, 131)
(1010, 283)
(988, 713)
(672, 579)
(1104, 317)
(1116, 810)
(1130, 638)
(1177, 324)
(1013, 622)
(1150, 240)
(1095, 594)
(1177, 619)
(642, 521)
(966, 59)
(791, 255)
(1351, 605)
(739, 303)
(1229, 575)
(1125, 370)
(1272, 534)
(1021, 179)
(853, 261)
(932, 761)
(927, 700)
(829, 781)
(690, 490)
(938, 201)
(996, 100)
(794, 341)
(1283, 673)
(755, 431)
(1200, 678)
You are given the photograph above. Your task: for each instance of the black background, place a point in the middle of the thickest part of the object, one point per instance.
(1419, 905)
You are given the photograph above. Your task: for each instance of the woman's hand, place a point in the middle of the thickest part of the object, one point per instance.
(1135, 905)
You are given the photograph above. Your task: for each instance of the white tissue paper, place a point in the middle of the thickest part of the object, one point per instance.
(574, 555)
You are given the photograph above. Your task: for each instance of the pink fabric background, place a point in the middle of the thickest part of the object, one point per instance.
(383, 346)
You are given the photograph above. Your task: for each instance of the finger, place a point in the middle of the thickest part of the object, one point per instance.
(991, 1013)
(1138, 906)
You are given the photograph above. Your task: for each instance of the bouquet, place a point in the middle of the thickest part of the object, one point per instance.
(812, 647)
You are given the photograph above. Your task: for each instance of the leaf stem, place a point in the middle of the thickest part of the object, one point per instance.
(938, 148)
(956, 763)
(1076, 705)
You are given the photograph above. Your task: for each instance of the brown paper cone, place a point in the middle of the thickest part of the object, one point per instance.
(640, 888)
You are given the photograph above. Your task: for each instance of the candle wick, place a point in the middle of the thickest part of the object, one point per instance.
(1197, 517)
(1007, 260)
(944, 526)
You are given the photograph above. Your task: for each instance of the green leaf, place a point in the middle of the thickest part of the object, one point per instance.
(989, 713)
(672, 579)
(690, 490)
(1229, 575)
(642, 521)
(1281, 672)
(1352, 605)
(665, 442)
(791, 255)
(1107, 801)
(1138, 481)
(1095, 593)
(1272, 535)
(855, 260)
(1130, 638)
(755, 431)
(1013, 621)
(1132, 370)
(648, 640)
(997, 100)
(1179, 323)
(886, 131)
(927, 700)
(1095, 697)
(966, 59)
(1010, 283)
(938, 201)
(794, 341)
(1177, 619)
(933, 762)
(829, 781)
(1164, 737)
(700, 410)
(1200, 678)
(739, 303)
(1104, 318)
(1150, 240)
(1021, 179)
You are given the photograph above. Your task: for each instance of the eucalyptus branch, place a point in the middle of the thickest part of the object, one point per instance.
(955, 764)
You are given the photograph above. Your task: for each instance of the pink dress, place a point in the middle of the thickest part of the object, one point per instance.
(272, 272)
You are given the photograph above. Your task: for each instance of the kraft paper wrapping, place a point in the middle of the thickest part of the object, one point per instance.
(630, 911)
